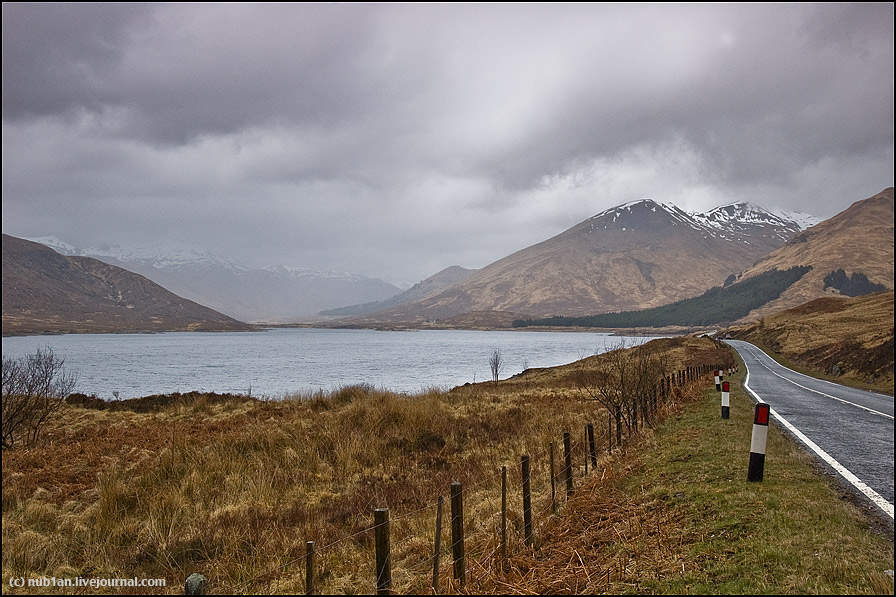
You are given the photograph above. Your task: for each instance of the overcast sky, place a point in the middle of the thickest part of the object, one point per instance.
(395, 140)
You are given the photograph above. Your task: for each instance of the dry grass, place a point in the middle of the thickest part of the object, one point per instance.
(674, 514)
(234, 488)
(849, 340)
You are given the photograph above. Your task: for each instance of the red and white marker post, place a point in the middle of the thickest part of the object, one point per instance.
(718, 374)
(725, 400)
(757, 443)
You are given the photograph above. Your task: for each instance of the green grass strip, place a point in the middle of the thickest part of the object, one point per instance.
(793, 533)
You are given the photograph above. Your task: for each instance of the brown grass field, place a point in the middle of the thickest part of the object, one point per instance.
(232, 488)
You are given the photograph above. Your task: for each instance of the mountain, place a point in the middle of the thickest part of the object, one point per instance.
(271, 294)
(858, 240)
(431, 285)
(634, 256)
(745, 222)
(45, 292)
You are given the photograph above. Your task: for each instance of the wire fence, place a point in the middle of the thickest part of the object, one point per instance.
(495, 521)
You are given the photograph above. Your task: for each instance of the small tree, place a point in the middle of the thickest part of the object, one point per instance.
(33, 390)
(495, 363)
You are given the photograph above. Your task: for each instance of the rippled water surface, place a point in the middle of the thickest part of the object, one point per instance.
(277, 362)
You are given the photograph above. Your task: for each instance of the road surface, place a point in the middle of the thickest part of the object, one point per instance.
(850, 430)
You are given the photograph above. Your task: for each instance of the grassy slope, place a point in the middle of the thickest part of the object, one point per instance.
(233, 489)
(846, 340)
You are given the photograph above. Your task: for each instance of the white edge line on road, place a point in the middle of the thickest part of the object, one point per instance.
(875, 497)
(818, 379)
(871, 410)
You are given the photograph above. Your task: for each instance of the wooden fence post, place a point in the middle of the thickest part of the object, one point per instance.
(585, 447)
(609, 432)
(438, 548)
(383, 556)
(527, 501)
(457, 531)
(592, 448)
(503, 517)
(309, 568)
(618, 426)
(553, 483)
(568, 458)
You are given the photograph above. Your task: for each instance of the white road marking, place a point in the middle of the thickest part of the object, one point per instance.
(880, 501)
(871, 410)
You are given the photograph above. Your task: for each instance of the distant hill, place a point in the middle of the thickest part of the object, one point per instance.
(638, 255)
(275, 294)
(45, 292)
(858, 240)
(431, 285)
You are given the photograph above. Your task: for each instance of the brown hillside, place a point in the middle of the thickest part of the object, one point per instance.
(45, 292)
(635, 256)
(859, 239)
(841, 337)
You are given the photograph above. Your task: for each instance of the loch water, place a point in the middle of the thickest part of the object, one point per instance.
(282, 361)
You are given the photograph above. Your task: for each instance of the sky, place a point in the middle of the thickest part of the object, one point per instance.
(394, 140)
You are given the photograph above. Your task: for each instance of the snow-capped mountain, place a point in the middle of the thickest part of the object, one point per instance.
(274, 293)
(735, 222)
(637, 255)
(47, 292)
(160, 257)
(743, 221)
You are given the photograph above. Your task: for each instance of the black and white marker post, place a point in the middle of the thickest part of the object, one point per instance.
(757, 443)
(718, 374)
(725, 400)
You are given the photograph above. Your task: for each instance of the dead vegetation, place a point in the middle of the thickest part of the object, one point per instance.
(233, 488)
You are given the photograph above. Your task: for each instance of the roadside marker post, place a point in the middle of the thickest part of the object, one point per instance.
(725, 400)
(757, 443)
(718, 374)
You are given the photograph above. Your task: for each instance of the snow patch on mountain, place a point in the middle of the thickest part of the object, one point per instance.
(289, 271)
(801, 219)
(161, 257)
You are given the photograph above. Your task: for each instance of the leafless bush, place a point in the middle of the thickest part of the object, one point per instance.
(496, 364)
(34, 387)
(623, 380)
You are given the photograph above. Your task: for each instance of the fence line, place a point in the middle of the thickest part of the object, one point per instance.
(583, 447)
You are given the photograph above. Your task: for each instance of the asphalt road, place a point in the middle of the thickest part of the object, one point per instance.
(850, 430)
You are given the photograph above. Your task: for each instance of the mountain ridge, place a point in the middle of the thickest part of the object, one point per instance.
(636, 255)
(274, 293)
(858, 240)
(431, 285)
(46, 292)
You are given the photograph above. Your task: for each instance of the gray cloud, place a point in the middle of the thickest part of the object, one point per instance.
(398, 139)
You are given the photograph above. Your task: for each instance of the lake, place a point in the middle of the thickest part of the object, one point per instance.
(282, 361)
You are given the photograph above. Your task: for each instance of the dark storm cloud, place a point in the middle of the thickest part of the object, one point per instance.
(340, 135)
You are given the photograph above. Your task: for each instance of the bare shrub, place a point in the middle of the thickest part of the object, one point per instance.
(34, 387)
(623, 381)
(495, 363)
